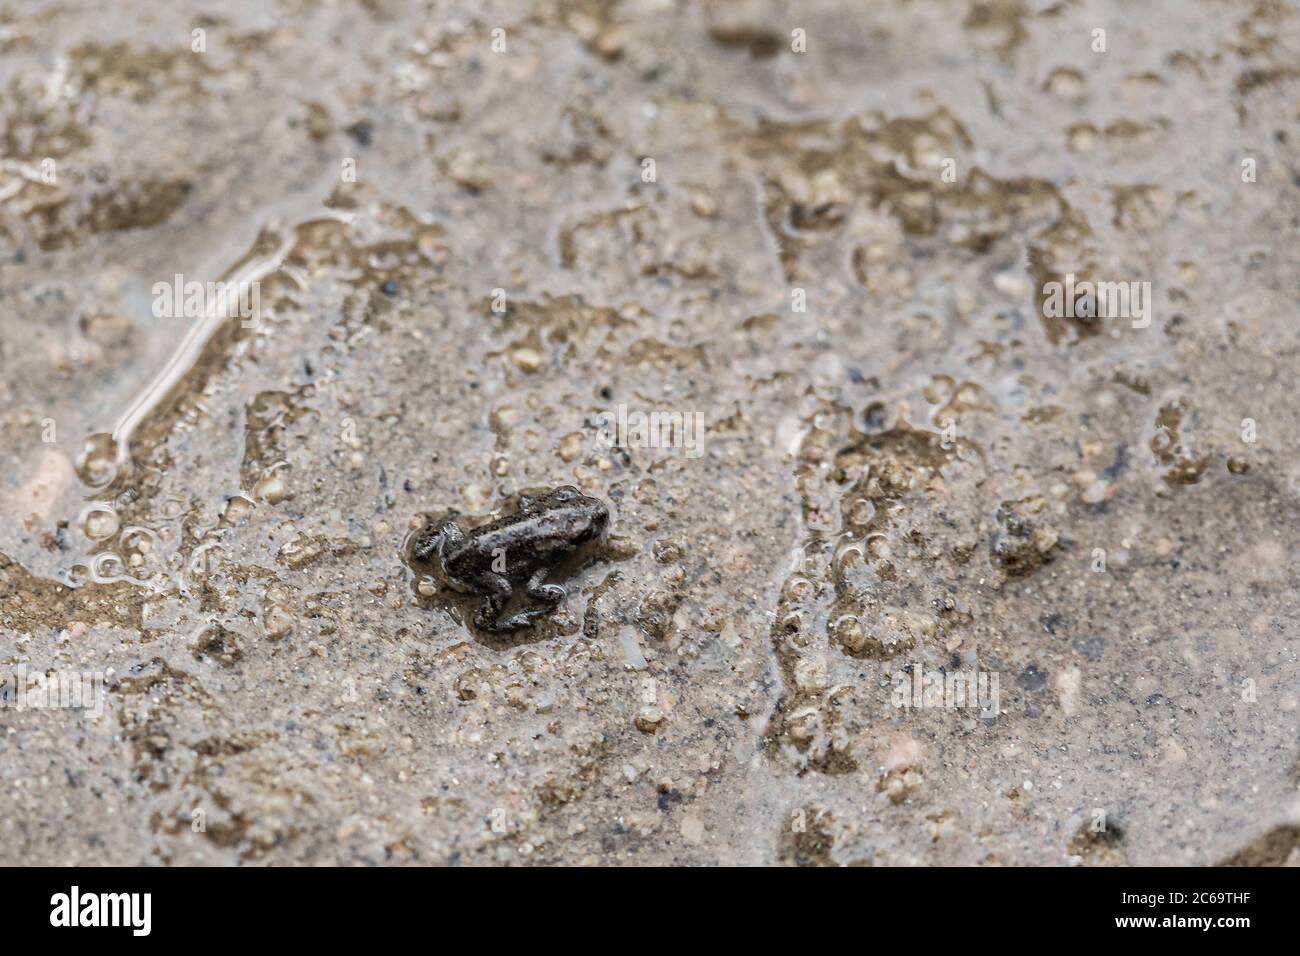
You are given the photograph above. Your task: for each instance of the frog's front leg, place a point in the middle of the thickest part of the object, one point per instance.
(552, 594)
(488, 617)
(433, 540)
(498, 590)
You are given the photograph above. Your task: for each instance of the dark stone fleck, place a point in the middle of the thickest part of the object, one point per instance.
(669, 797)
(1089, 647)
(361, 132)
(1120, 463)
(1032, 679)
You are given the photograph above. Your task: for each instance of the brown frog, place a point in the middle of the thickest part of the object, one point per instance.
(518, 549)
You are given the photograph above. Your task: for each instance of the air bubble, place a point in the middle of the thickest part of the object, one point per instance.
(862, 511)
(97, 463)
(99, 522)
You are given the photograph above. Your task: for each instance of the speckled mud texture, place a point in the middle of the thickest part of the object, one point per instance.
(485, 237)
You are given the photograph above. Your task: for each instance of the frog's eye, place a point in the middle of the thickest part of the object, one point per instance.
(565, 493)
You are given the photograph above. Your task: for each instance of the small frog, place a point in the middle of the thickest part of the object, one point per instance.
(522, 548)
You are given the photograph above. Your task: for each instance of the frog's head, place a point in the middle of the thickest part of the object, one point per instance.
(586, 517)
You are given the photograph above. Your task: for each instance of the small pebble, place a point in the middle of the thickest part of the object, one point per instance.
(1097, 492)
(271, 489)
(526, 359)
(649, 719)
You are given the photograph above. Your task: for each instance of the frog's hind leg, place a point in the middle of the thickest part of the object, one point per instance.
(516, 622)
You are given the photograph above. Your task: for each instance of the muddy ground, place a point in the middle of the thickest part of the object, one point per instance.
(831, 230)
